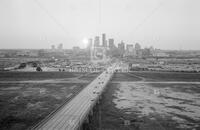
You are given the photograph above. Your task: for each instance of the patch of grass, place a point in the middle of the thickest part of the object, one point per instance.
(22, 108)
(168, 76)
(176, 107)
(89, 76)
(108, 117)
(17, 76)
(186, 88)
(124, 77)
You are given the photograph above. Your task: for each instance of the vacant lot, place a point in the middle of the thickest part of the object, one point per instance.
(89, 76)
(150, 106)
(23, 104)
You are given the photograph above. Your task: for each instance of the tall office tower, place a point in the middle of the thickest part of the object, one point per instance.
(138, 50)
(90, 43)
(121, 46)
(111, 43)
(90, 47)
(96, 41)
(60, 46)
(104, 42)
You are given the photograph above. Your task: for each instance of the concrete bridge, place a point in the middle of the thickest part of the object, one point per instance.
(78, 111)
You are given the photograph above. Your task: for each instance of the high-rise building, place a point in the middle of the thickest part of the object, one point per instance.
(121, 46)
(97, 41)
(111, 43)
(138, 50)
(60, 46)
(89, 46)
(104, 42)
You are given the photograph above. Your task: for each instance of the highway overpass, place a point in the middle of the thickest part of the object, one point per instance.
(76, 112)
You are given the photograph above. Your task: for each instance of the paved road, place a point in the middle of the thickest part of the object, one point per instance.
(72, 115)
(161, 82)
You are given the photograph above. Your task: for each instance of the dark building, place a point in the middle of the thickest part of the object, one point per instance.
(104, 42)
(111, 44)
(97, 41)
(138, 50)
(121, 46)
(146, 52)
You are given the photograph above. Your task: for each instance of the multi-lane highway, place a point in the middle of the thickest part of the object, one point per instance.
(72, 115)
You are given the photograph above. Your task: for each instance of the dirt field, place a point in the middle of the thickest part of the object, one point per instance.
(143, 105)
(28, 97)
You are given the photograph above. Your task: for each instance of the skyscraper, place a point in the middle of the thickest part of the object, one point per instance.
(138, 50)
(111, 43)
(121, 46)
(104, 42)
(96, 41)
(89, 46)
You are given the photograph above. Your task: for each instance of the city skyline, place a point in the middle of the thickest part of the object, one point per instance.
(37, 24)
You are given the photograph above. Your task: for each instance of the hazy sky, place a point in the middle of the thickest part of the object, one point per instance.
(165, 24)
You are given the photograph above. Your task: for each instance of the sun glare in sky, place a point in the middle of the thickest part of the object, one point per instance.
(85, 42)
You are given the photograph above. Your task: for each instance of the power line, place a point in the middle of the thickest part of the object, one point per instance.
(51, 16)
(149, 15)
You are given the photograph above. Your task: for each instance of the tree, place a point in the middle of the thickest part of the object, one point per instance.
(38, 69)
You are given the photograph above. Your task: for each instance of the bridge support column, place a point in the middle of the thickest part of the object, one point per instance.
(100, 97)
(91, 113)
(85, 125)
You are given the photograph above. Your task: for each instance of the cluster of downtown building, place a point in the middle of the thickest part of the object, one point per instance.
(112, 49)
(121, 50)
